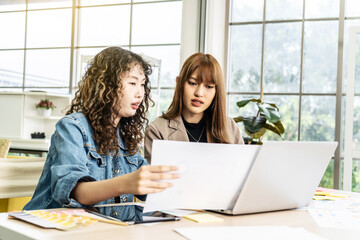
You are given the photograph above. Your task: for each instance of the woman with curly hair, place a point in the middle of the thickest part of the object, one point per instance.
(94, 154)
(197, 112)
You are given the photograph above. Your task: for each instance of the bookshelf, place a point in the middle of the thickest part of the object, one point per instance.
(19, 118)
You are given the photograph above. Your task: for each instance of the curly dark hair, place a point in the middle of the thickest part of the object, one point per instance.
(98, 98)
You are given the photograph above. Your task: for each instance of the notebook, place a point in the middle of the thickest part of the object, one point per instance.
(284, 175)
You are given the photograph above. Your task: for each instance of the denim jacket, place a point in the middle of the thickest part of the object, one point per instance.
(72, 157)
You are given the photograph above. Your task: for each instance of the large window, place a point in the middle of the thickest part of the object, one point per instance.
(297, 50)
(46, 44)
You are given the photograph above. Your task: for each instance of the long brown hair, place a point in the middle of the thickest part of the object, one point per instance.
(98, 98)
(209, 70)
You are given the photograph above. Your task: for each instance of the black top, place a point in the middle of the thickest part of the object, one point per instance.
(196, 131)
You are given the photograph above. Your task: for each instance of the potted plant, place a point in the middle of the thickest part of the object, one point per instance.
(266, 118)
(45, 107)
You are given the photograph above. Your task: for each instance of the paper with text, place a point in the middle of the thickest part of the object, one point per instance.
(211, 174)
(247, 232)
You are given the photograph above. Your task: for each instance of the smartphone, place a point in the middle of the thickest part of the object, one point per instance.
(152, 217)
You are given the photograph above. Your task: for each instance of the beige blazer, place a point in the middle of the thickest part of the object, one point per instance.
(174, 129)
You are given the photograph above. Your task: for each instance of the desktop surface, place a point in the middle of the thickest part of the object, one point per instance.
(15, 229)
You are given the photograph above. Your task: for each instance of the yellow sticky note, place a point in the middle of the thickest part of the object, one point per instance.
(338, 195)
(203, 218)
(329, 194)
(321, 193)
(321, 198)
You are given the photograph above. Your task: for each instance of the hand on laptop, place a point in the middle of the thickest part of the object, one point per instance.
(147, 179)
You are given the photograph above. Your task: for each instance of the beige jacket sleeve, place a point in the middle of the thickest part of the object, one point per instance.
(151, 134)
(235, 136)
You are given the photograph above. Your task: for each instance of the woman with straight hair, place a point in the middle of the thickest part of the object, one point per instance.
(197, 112)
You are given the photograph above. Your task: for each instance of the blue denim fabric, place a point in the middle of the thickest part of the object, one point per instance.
(72, 156)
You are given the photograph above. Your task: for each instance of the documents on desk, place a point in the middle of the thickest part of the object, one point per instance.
(205, 182)
(249, 233)
(340, 212)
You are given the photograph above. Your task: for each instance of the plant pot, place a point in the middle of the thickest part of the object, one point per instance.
(44, 112)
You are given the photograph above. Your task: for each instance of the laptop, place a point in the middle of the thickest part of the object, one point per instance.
(284, 175)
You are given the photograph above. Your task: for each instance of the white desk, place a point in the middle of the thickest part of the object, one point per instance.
(15, 229)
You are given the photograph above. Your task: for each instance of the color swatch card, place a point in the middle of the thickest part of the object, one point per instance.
(62, 219)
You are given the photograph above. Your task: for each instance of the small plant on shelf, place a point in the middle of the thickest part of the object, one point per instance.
(45, 104)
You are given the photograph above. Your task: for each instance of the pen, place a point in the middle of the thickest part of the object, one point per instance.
(154, 220)
(106, 219)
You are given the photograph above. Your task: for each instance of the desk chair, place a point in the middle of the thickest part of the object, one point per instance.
(18, 179)
(4, 147)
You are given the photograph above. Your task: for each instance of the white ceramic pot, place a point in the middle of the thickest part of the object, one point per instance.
(44, 112)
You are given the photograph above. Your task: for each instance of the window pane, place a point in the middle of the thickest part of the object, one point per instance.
(170, 61)
(318, 118)
(36, 4)
(357, 64)
(55, 31)
(13, 32)
(342, 134)
(235, 111)
(356, 127)
(64, 90)
(155, 76)
(320, 57)
(102, 2)
(247, 11)
(284, 9)
(245, 58)
(141, 1)
(322, 8)
(11, 68)
(12, 89)
(84, 56)
(47, 68)
(162, 101)
(282, 57)
(13, 5)
(289, 116)
(111, 26)
(356, 176)
(151, 23)
(352, 8)
(348, 24)
(327, 180)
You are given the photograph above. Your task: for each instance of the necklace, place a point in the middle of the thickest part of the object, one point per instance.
(196, 140)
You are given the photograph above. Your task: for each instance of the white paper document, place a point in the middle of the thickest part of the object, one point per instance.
(336, 218)
(249, 233)
(211, 175)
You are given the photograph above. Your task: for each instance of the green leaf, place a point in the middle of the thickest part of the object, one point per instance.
(273, 105)
(273, 129)
(254, 124)
(243, 103)
(271, 113)
(279, 126)
(238, 119)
